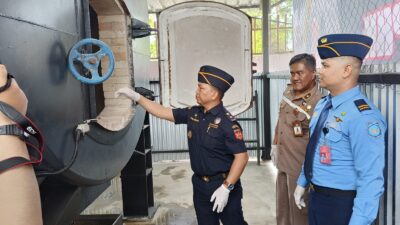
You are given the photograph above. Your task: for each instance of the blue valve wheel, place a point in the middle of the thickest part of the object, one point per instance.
(90, 61)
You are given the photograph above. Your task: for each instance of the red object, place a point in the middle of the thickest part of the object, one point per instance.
(238, 134)
(325, 154)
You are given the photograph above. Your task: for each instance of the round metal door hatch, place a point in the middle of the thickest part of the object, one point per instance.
(193, 34)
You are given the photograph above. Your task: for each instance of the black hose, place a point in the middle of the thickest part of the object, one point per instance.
(78, 135)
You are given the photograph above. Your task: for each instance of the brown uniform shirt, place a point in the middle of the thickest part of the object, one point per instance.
(292, 148)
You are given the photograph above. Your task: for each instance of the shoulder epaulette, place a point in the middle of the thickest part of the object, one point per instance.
(229, 115)
(361, 105)
(194, 107)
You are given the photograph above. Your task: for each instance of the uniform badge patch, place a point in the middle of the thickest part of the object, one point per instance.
(235, 126)
(189, 134)
(374, 130)
(217, 120)
(361, 105)
(194, 119)
(338, 119)
(238, 134)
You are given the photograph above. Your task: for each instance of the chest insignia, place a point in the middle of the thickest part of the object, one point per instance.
(338, 119)
(194, 119)
(217, 120)
(212, 125)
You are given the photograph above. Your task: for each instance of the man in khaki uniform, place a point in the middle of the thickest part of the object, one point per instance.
(291, 136)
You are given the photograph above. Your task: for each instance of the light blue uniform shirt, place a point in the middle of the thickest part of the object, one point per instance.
(356, 139)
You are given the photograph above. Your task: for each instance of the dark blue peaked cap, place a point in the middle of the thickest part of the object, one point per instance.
(335, 45)
(215, 77)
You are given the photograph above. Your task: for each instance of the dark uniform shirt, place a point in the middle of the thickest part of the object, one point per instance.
(213, 138)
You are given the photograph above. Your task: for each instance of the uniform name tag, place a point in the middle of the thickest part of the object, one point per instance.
(325, 154)
(297, 130)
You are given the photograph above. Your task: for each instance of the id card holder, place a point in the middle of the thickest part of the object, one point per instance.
(297, 130)
(325, 150)
(325, 154)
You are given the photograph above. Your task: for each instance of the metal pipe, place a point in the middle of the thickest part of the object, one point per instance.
(267, 114)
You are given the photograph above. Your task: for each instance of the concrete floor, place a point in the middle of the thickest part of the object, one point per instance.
(173, 189)
(173, 195)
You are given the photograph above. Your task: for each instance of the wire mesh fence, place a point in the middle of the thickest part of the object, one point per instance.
(379, 19)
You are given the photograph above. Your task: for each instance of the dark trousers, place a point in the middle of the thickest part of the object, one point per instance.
(327, 209)
(202, 192)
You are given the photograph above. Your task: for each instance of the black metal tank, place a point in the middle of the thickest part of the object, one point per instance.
(35, 39)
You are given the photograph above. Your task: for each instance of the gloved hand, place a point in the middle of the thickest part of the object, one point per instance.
(133, 95)
(298, 196)
(220, 196)
(274, 154)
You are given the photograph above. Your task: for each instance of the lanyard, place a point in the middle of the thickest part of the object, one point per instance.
(291, 104)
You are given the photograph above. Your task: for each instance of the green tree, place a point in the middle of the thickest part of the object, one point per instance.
(153, 38)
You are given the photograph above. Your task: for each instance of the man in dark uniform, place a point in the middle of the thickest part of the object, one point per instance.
(217, 152)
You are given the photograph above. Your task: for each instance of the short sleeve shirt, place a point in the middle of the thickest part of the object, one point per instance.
(213, 138)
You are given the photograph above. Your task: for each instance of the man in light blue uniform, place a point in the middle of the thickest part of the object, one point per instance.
(345, 156)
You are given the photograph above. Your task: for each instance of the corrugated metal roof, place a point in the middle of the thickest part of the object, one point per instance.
(159, 5)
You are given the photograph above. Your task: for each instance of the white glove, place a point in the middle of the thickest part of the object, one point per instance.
(298, 196)
(274, 154)
(220, 196)
(133, 95)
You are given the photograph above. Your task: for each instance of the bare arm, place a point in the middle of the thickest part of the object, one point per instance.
(237, 168)
(19, 191)
(156, 109)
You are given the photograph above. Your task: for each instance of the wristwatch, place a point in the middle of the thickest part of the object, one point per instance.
(228, 185)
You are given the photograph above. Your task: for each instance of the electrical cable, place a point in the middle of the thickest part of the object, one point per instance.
(78, 136)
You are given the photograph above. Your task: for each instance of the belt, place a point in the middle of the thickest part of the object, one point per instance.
(220, 176)
(333, 192)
